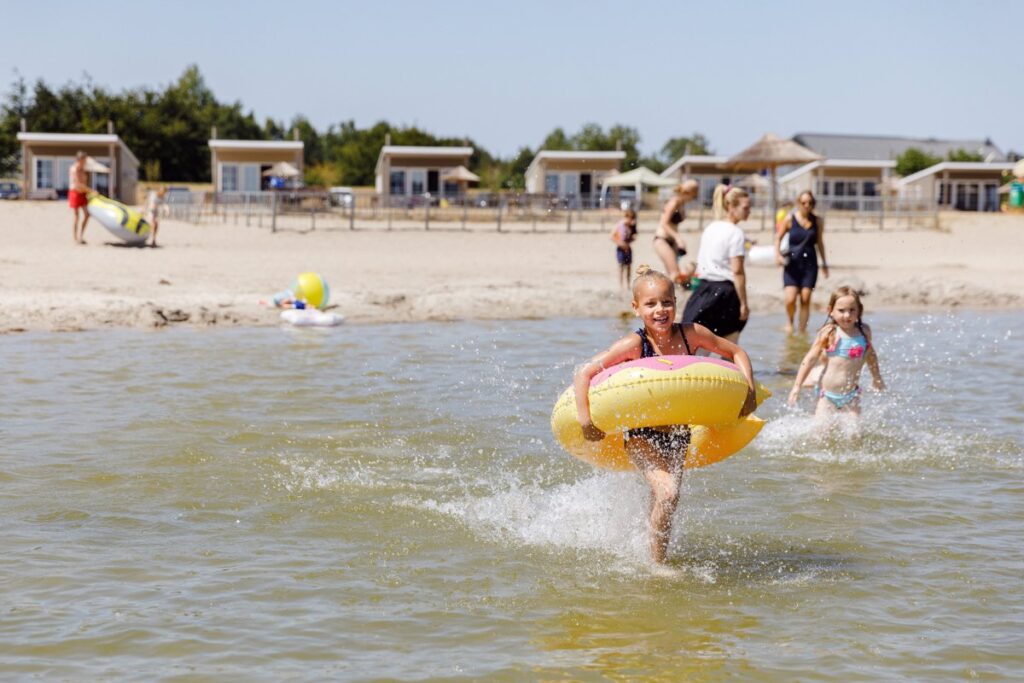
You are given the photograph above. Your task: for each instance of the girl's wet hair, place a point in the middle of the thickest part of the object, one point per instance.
(645, 273)
(726, 196)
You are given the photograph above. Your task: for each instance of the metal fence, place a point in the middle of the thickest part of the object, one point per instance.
(505, 212)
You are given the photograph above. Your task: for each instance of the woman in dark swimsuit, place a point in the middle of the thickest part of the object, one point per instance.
(667, 243)
(800, 275)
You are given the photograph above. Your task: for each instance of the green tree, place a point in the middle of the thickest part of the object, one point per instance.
(913, 160)
(964, 155)
(675, 148)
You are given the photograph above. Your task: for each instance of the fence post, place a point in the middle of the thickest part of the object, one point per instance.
(499, 215)
(247, 198)
(352, 214)
(568, 220)
(465, 212)
(426, 215)
(881, 214)
(273, 212)
(312, 218)
(389, 214)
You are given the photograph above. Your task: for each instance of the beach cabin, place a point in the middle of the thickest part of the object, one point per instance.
(958, 185)
(708, 170)
(572, 175)
(845, 184)
(47, 159)
(245, 165)
(405, 172)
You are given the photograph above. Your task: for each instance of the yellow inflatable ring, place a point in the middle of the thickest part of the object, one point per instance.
(705, 393)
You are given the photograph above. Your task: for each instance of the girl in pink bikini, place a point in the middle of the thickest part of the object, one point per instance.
(844, 344)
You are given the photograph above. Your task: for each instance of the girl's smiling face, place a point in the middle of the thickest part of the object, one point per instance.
(845, 312)
(655, 302)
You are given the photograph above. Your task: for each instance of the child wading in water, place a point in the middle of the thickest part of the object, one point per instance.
(623, 235)
(845, 342)
(658, 452)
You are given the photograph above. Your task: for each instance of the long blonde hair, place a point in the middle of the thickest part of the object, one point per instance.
(726, 196)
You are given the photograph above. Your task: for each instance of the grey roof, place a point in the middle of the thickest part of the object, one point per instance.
(837, 146)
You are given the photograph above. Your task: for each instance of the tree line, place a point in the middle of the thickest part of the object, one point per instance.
(168, 128)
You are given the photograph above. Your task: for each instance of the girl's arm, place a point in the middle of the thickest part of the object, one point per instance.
(739, 278)
(627, 348)
(872, 360)
(704, 338)
(812, 356)
(821, 246)
(780, 258)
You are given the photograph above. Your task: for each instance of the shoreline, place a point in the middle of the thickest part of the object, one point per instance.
(215, 274)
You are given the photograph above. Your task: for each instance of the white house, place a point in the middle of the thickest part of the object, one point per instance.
(571, 174)
(47, 158)
(410, 171)
(240, 165)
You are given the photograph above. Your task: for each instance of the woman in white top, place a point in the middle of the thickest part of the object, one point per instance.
(720, 301)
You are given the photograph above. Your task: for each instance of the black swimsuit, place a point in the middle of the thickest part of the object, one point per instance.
(675, 219)
(669, 442)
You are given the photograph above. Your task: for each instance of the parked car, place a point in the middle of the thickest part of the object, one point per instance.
(10, 191)
(342, 196)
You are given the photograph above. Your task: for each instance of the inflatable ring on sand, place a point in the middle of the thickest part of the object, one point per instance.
(125, 223)
(705, 393)
(311, 317)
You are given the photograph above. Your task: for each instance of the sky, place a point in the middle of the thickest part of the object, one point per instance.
(506, 74)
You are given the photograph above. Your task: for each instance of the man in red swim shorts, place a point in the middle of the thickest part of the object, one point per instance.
(78, 197)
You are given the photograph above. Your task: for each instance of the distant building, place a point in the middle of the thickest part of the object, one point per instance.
(47, 159)
(568, 174)
(840, 183)
(708, 170)
(414, 171)
(960, 185)
(883, 147)
(241, 165)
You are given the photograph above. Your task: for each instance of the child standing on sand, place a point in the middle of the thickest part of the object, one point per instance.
(151, 212)
(844, 341)
(623, 236)
(657, 452)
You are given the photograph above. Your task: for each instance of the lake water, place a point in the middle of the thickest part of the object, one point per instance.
(387, 502)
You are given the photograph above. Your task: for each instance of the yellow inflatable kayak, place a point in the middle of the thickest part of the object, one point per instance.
(124, 222)
(705, 393)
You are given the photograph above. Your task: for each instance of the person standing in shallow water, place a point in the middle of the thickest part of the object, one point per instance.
(720, 300)
(659, 453)
(806, 232)
(667, 243)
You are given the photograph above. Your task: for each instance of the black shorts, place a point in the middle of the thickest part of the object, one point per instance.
(623, 256)
(801, 271)
(669, 442)
(715, 305)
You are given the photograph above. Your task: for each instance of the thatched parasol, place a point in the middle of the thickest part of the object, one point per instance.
(771, 152)
(282, 169)
(460, 174)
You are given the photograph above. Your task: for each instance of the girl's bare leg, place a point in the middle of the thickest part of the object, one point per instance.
(664, 482)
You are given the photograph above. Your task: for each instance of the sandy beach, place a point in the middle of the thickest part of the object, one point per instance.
(216, 274)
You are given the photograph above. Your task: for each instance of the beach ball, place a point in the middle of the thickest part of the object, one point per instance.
(312, 288)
